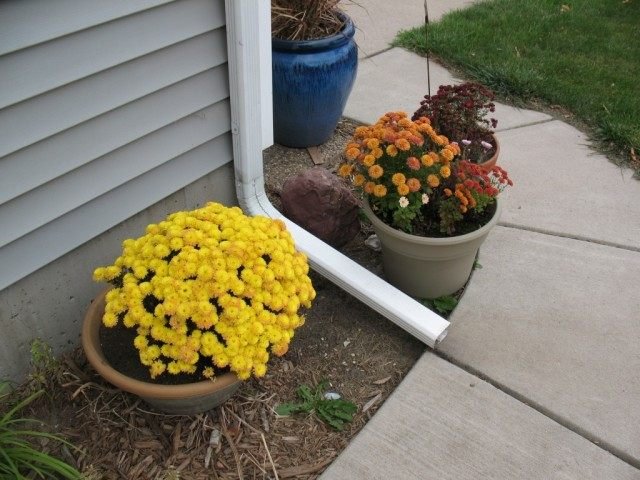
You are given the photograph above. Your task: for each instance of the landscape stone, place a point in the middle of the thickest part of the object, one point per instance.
(322, 204)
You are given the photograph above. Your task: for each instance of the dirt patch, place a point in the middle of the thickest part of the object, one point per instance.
(361, 354)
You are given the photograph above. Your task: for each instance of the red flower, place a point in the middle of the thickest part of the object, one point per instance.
(413, 163)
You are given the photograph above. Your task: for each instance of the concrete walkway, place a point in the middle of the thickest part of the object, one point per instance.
(539, 376)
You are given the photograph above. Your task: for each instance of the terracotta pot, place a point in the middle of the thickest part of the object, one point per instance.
(426, 267)
(487, 165)
(184, 399)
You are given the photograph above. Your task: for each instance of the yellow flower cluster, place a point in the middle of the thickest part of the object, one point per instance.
(211, 282)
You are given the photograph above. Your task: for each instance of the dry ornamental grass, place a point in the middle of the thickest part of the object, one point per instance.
(305, 19)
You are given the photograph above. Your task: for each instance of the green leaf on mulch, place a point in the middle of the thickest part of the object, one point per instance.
(444, 304)
(333, 412)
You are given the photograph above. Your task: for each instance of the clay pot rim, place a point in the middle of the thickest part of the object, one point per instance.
(91, 345)
(489, 163)
(467, 237)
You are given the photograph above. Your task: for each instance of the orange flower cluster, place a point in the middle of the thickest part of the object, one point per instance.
(408, 172)
(392, 137)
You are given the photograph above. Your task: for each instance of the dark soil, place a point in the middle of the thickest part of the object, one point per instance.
(430, 227)
(117, 345)
(361, 354)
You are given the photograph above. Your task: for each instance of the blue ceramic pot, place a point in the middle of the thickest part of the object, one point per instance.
(312, 80)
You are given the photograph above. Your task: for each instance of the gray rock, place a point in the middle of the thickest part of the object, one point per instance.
(322, 204)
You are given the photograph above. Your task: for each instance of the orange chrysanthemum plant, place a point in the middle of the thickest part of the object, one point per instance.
(415, 180)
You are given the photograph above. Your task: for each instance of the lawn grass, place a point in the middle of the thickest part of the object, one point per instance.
(581, 55)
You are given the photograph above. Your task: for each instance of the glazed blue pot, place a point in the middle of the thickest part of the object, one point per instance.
(312, 80)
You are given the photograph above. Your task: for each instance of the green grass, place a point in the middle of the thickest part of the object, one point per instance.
(20, 456)
(585, 59)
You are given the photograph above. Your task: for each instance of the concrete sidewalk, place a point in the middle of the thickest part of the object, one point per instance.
(552, 319)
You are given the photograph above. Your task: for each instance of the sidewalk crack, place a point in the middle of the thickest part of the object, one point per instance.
(560, 420)
(531, 124)
(374, 54)
(580, 238)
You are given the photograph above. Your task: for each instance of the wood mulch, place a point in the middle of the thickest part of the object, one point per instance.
(361, 354)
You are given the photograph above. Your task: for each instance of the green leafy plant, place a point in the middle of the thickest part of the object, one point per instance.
(444, 304)
(333, 412)
(19, 458)
(44, 365)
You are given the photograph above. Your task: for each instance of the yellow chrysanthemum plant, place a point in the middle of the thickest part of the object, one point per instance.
(207, 290)
(414, 178)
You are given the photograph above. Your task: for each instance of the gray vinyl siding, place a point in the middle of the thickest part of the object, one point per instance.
(105, 109)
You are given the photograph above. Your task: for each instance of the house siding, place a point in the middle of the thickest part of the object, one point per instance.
(110, 118)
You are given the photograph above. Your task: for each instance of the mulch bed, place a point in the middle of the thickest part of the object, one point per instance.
(361, 354)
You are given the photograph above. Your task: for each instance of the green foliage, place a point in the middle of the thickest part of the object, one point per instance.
(449, 215)
(582, 56)
(19, 458)
(403, 218)
(482, 201)
(443, 305)
(333, 412)
(42, 355)
(43, 364)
